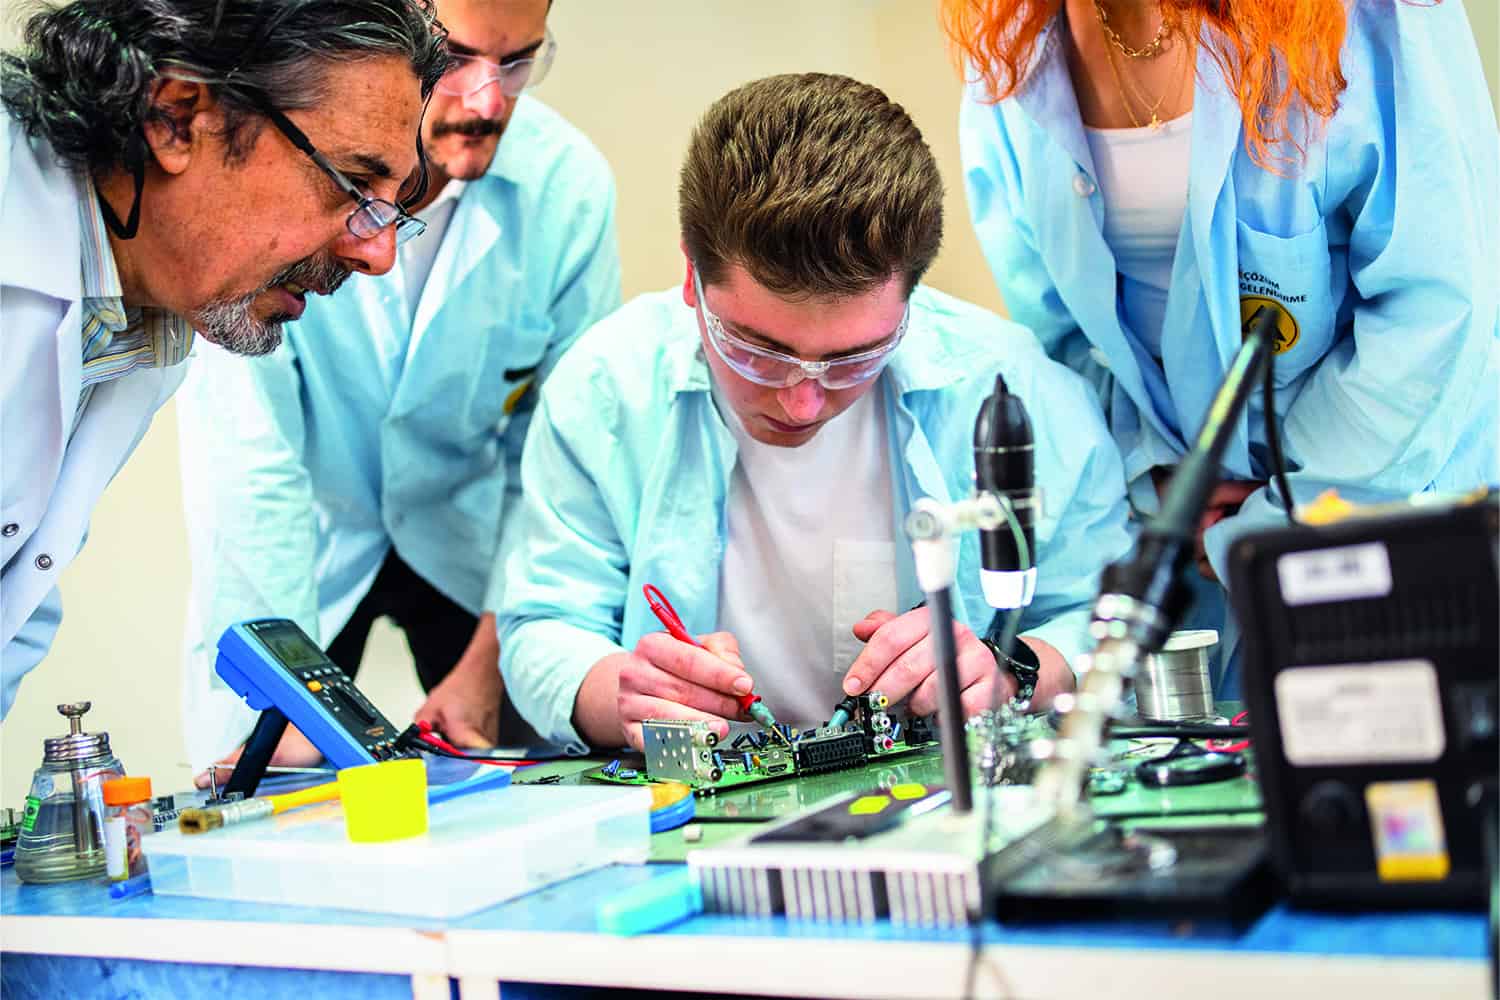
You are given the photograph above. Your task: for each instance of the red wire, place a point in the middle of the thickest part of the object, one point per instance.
(1224, 746)
(426, 735)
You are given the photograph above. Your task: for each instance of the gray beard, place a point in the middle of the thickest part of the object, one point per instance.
(233, 326)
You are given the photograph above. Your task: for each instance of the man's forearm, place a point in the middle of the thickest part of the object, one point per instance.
(596, 709)
(482, 655)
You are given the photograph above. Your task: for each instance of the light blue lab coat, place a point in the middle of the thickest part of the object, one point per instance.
(1382, 246)
(368, 430)
(54, 470)
(628, 464)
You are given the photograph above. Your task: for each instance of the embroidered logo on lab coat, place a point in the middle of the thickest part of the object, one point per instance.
(525, 375)
(1286, 324)
(517, 394)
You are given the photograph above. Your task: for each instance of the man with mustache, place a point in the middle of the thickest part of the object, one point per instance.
(168, 165)
(382, 443)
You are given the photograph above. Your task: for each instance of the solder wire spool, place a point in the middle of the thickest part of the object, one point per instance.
(1174, 684)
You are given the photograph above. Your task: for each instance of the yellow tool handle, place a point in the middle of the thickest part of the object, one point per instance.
(305, 797)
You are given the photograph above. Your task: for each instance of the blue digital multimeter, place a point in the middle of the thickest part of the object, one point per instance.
(272, 664)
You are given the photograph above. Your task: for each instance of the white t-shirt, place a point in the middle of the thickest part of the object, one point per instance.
(415, 257)
(810, 551)
(1143, 178)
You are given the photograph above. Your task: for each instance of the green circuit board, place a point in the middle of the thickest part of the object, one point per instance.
(737, 799)
(762, 771)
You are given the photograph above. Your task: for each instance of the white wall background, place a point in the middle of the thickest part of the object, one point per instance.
(634, 77)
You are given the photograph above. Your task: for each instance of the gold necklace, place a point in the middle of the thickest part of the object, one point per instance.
(1124, 97)
(1151, 107)
(1150, 51)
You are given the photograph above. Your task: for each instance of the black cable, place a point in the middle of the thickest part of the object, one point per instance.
(1490, 831)
(1273, 440)
(1006, 643)
(1182, 730)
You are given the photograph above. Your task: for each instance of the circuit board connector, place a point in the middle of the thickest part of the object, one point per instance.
(829, 752)
(681, 750)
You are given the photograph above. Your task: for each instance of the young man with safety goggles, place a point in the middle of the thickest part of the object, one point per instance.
(751, 443)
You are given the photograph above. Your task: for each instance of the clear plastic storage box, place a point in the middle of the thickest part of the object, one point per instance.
(479, 850)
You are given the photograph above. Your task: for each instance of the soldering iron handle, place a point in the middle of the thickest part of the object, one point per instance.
(1153, 575)
(1198, 472)
(950, 704)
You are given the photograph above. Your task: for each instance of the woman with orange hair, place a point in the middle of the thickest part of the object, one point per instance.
(1144, 174)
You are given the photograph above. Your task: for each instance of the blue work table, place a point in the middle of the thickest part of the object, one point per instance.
(72, 940)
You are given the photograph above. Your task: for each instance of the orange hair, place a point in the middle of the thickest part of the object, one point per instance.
(1278, 56)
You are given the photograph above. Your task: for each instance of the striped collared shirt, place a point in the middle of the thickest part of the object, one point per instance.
(117, 340)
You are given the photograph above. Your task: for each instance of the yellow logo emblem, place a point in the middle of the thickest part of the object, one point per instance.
(519, 393)
(1286, 325)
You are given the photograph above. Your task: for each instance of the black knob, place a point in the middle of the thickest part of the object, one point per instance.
(1330, 808)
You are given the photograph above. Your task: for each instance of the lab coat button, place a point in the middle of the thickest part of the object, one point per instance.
(10, 529)
(1082, 186)
(44, 561)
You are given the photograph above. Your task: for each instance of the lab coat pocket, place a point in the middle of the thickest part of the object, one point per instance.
(504, 382)
(1291, 275)
(864, 580)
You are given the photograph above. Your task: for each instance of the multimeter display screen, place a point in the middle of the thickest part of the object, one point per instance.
(290, 646)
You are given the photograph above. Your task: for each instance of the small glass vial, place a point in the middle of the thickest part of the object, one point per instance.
(127, 818)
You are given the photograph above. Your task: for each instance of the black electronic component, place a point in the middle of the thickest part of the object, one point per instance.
(852, 817)
(1369, 668)
(1213, 874)
(10, 828)
(1003, 466)
(1188, 764)
(829, 753)
(276, 668)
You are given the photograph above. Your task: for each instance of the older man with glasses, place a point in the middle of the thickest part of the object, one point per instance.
(143, 197)
(751, 442)
(381, 445)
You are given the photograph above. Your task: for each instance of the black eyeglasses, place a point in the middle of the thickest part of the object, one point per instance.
(370, 215)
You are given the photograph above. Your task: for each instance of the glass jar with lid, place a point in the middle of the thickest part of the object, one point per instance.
(62, 831)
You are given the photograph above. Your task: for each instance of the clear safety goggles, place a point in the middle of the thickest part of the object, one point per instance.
(469, 75)
(781, 371)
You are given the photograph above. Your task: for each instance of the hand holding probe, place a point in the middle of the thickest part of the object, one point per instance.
(750, 704)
